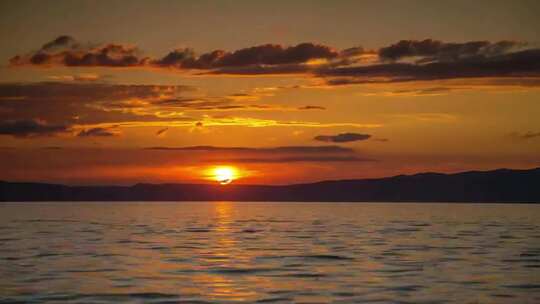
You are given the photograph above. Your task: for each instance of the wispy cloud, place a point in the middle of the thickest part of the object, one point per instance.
(83, 77)
(284, 154)
(427, 117)
(525, 135)
(162, 132)
(342, 137)
(87, 105)
(98, 132)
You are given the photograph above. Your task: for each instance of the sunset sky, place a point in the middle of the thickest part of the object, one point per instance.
(118, 92)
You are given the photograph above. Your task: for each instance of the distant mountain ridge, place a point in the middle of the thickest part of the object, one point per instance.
(502, 185)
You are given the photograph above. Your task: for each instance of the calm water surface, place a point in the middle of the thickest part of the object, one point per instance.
(269, 253)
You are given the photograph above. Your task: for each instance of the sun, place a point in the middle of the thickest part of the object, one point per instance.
(224, 174)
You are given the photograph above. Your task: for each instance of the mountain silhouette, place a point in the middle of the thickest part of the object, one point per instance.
(502, 185)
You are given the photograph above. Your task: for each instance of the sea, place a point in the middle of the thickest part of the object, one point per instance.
(265, 252)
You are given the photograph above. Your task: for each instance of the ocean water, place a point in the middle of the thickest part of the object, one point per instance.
(223, 252)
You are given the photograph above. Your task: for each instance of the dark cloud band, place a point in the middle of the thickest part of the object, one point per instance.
(98, 132)
(31, 128)
(406, 60)
(342, 138)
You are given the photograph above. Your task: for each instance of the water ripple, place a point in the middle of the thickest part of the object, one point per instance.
(269, 253)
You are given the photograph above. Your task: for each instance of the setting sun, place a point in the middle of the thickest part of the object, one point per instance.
(224, 175)
(260, 151)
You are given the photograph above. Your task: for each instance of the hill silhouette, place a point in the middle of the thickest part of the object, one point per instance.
(502, 185)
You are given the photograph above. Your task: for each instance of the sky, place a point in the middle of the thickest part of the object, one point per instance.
(122, 92)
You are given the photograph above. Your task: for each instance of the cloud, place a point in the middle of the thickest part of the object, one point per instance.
(271, 54)
(285, 149)
(61, 41)
(83, 77)
(69, 103)
(267, 54)
(31, 128)
(404, 61)
(98, 132)
(530, 135)
(213, 121)
(65, 50)
(342, 138)
(176, 58)
(430, 50)
(428, 91)
(162, 132)
(97, 104)
(213, 154)
(227, 103)
(85, 106)
(309, 107)
(433, 60)
(500, 65)
(525, 63)
(525, 136)
(353, 51)
(261, 70)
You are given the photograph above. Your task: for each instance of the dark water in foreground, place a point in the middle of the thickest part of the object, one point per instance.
(269, 253)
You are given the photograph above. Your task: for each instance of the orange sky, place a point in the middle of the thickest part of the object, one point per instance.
(97, 98)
